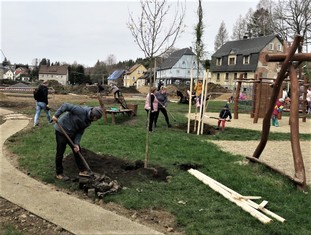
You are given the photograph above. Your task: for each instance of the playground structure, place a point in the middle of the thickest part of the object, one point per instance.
(265, 94)
(290, 62)
(261, 93)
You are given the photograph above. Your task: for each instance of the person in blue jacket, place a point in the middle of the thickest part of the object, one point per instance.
(74, 119)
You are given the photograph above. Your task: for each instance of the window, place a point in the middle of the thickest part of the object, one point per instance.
(271, 47)
(245, 75)
(280, 47)
(246, 59)
(218, 61)
(231, 60)
(235, 76)
(227, 77)
(218, 77)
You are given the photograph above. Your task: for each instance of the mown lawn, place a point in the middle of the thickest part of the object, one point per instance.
(205, 211)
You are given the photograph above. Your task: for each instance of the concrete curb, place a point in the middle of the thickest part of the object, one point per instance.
(75, 215)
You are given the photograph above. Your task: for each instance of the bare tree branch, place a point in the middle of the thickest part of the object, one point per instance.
(149, 30)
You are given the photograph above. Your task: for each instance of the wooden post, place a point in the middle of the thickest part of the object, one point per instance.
(102, 105)
(258, 98)
(304, 98)
(202, 105)
(205, 104)
(236, 98)
(190, 101)
(276, 88)
(254, 95)
(294, 129)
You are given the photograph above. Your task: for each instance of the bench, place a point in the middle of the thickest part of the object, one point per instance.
(113, 113)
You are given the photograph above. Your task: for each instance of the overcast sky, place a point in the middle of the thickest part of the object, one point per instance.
(87, 31)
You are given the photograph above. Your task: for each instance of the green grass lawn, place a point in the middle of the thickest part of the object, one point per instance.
(205, 211)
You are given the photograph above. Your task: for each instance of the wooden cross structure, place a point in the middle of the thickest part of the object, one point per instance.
(290, 63)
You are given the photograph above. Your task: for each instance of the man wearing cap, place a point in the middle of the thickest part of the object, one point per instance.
(74, 119)
(278, 108)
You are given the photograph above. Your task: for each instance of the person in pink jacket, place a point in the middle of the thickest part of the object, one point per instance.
(278, 108)
(151, 104)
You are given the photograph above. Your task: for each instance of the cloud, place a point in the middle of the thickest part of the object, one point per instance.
(85, 32)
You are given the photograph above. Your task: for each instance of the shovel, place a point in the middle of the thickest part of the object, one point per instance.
(79, 153)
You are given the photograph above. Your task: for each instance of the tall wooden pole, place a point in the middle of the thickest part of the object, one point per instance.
(275, 92)
(190, 100)
(294, 128)
(258, 98)
(236, 98)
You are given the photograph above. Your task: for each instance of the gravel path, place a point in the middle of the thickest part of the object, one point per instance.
(276, 153)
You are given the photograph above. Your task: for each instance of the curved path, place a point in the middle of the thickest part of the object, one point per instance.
(75, 215)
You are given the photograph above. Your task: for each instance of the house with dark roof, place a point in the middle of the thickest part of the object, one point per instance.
(246, 57)
(116, 77)
(59, 73)
(131, 76)
(176, 69)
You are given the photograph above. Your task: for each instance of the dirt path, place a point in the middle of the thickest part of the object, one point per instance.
(276, 153)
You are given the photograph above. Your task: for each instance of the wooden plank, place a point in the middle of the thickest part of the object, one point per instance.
(235, 194)
(246, 207)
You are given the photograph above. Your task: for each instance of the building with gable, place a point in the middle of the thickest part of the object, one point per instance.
(8, 73)
(246, 57)
(59, 73)
(132, 75)
(176, 69)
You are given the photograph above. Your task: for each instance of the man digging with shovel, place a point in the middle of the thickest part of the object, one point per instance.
(69, 129)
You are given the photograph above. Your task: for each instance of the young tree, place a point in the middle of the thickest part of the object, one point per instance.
(151, 32)
(154, 36)
(199, 45)
(221, 37)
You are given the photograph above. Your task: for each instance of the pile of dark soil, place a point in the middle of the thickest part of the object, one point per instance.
(207, 129)
(123, 171)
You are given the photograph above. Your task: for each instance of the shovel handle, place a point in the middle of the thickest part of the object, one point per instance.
(71, 142)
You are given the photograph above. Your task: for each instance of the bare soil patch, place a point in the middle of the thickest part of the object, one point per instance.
(125, 172)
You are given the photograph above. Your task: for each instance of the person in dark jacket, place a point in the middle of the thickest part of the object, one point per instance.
(42, 102)
(223, 115)
(162, 100)
(74, 119)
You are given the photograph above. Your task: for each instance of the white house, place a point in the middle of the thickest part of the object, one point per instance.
(176, 69)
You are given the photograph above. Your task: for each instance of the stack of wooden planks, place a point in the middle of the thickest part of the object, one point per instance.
(245, 202)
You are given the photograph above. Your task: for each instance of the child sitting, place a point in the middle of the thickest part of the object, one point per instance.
(223, 115)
